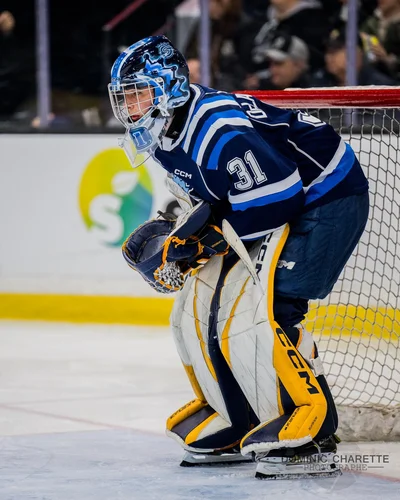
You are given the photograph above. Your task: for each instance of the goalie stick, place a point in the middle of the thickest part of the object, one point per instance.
(236, 243)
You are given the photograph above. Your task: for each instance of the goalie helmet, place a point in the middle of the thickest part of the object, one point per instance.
(148, 80)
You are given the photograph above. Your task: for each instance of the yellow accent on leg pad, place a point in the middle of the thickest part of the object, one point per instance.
(194, 383)
(302, 387)
(302, 422)
(196, 422)
(194, 434)
(185, 412)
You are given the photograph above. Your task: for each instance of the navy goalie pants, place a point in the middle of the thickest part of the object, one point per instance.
(319, 244)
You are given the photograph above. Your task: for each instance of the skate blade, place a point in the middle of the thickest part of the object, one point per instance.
(303, 475)
(273, 471)
(204, 459)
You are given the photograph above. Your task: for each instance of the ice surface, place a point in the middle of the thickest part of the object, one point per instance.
(122, 464)
(82, 415)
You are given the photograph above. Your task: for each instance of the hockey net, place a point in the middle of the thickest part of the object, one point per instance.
(357, 328)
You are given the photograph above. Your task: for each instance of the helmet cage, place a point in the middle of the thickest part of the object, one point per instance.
(135, 100)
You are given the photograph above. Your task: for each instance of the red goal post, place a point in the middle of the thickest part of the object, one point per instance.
(331, 97)
(357, 328)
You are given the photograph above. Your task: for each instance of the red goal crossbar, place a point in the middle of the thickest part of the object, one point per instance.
(331, 97)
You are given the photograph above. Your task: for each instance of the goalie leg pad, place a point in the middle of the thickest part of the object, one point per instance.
(291, 428)
(231, 340)
(195, 335)
(261, 439)
(306, 346)
(198, 428)
(262, 358)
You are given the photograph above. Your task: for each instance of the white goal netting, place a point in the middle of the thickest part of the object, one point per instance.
(357, 328)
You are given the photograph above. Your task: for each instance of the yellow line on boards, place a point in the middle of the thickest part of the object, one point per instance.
(86, 308)
(379, 322)
(332, 320)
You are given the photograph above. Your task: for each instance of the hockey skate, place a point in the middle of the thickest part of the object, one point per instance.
(223, 457)
(315, 459)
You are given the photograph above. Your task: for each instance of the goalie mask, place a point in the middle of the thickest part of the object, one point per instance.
(148, 80)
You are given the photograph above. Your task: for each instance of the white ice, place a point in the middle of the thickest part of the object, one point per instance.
(82, 416)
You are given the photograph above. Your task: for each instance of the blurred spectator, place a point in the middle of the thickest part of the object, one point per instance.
(338, 15)
(334, 73)
(68, 110)
(225, 18)
(288, 65)
(302, 18)
(194, 70)
(15, 68)
(255, 8)
(382, 33)
(7, 23)
(79, 71)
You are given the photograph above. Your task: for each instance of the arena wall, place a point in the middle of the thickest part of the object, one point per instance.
(67, 202)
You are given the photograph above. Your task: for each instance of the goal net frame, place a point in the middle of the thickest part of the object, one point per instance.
(357, 327)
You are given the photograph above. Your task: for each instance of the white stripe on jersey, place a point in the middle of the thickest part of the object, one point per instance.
(201, 112)
(305, 154)
(221, 122)
(269, 189)
(331, 165)
(254, 236)
(205, 185)
(269, 124)
(169, 144)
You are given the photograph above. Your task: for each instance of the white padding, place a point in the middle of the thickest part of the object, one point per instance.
(190, 322)
(245, 332)
(175, 321)
(182, 443)
(244, 328)
(306, 348)
(306, 344)
(180, 194)
(215, 425)
(275, 445)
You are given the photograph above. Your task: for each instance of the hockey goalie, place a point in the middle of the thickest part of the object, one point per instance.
(260, 392)
(275, 201)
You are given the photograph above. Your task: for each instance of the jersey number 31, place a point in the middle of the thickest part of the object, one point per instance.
(248, 171)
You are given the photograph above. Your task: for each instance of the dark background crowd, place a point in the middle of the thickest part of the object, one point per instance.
(255, 45)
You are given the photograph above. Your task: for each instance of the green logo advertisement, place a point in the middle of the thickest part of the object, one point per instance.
(114, 198)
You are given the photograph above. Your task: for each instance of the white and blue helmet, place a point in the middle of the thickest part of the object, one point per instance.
(154, 68)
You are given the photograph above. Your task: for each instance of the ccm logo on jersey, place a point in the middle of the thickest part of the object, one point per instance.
(182, 173)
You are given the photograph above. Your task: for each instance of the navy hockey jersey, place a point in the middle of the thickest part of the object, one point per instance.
(259, 166)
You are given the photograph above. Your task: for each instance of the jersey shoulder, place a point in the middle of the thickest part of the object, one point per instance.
(215, 118)
(263, 113)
